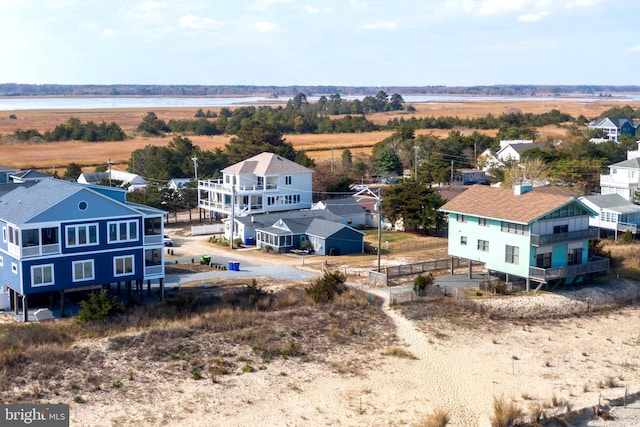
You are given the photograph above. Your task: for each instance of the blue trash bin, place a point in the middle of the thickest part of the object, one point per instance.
(231, 265)
(236, 266)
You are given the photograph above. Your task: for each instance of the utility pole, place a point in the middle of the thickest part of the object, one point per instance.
(233, 213)
(110, 163)
(415, 162)
(195, 167)
(451, 173)
(379, 227)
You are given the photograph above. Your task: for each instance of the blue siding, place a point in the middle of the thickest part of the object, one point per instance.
(63, 270)
(347, 240)
(7, 276)
(97, 207)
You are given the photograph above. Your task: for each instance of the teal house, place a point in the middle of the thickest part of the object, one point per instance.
(539, 236)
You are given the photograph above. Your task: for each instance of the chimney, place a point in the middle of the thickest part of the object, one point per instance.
(521, 189)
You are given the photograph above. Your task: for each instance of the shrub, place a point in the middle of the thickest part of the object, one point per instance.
(306, 245)
(627, 236)
(323, 289)
(255, 296)
(438, 418)
(421, 283)
(505, 414)
(237, 242)
(99, 306)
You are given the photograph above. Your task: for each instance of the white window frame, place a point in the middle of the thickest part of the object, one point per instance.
(463, 240)
(76, 227)
(4, 234)
(287, 180)
(83, 278)
(512, 254)
(42, 267)
(122, 259)
(483, 245)
(118, 224)
(1, 261)
(14, 268)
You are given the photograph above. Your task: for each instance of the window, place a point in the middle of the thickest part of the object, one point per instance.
(557, 229)
(463, 240)
(14, 268)
(4, 234)
(42, 275)
(543, 260)
(510, 227)
(574, 256)
(123, 231)
(30, 237)
(152, 226)
(1, 261)
(152, 257)
(461, 218)
(50, 236)
(83, 270)
(287, 180)
(512, 254)
(483, 222)
(123, 265)
(82, 235)
(483, 245)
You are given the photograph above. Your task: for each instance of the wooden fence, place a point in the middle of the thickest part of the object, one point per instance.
(382, 277)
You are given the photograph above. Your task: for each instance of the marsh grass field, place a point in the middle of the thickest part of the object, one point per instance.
(320, 147)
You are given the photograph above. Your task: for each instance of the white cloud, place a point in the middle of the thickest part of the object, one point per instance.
(499, 7)
(109, 32)
(358, 4)
(311, 9)
(266, 26)
(634, 48)
(582, 3)
(381, 25)
(263, 5)
(532, 17)
(192, 22)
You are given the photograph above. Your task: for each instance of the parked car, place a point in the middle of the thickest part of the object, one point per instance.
(168, 241)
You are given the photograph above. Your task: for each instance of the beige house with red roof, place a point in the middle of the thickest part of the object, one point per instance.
(536, 235)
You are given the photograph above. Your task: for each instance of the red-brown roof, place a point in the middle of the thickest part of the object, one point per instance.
(502, 203)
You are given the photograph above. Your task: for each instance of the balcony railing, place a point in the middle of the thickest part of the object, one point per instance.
(152, 239)
(37, 250)
(594, 265)
(550, 239)
(628, 226)
(239, 189)
(619, 180)
(153, 270)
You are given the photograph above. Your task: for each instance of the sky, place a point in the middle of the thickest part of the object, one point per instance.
(314, 42)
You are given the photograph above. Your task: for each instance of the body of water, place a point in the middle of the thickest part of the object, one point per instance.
(150, 102)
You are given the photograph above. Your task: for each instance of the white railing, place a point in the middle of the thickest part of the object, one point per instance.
(228, 188)
(153, 270)
(152, 239)
(619, 179)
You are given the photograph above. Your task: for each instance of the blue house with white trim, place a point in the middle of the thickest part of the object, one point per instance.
(59, 236)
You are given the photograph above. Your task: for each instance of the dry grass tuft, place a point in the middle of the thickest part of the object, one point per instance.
(438, 418)
(505, 413)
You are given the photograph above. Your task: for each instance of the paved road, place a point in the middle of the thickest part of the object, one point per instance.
(251, 263)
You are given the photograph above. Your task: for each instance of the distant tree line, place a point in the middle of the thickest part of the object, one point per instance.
(75, 130)
(16, 89)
